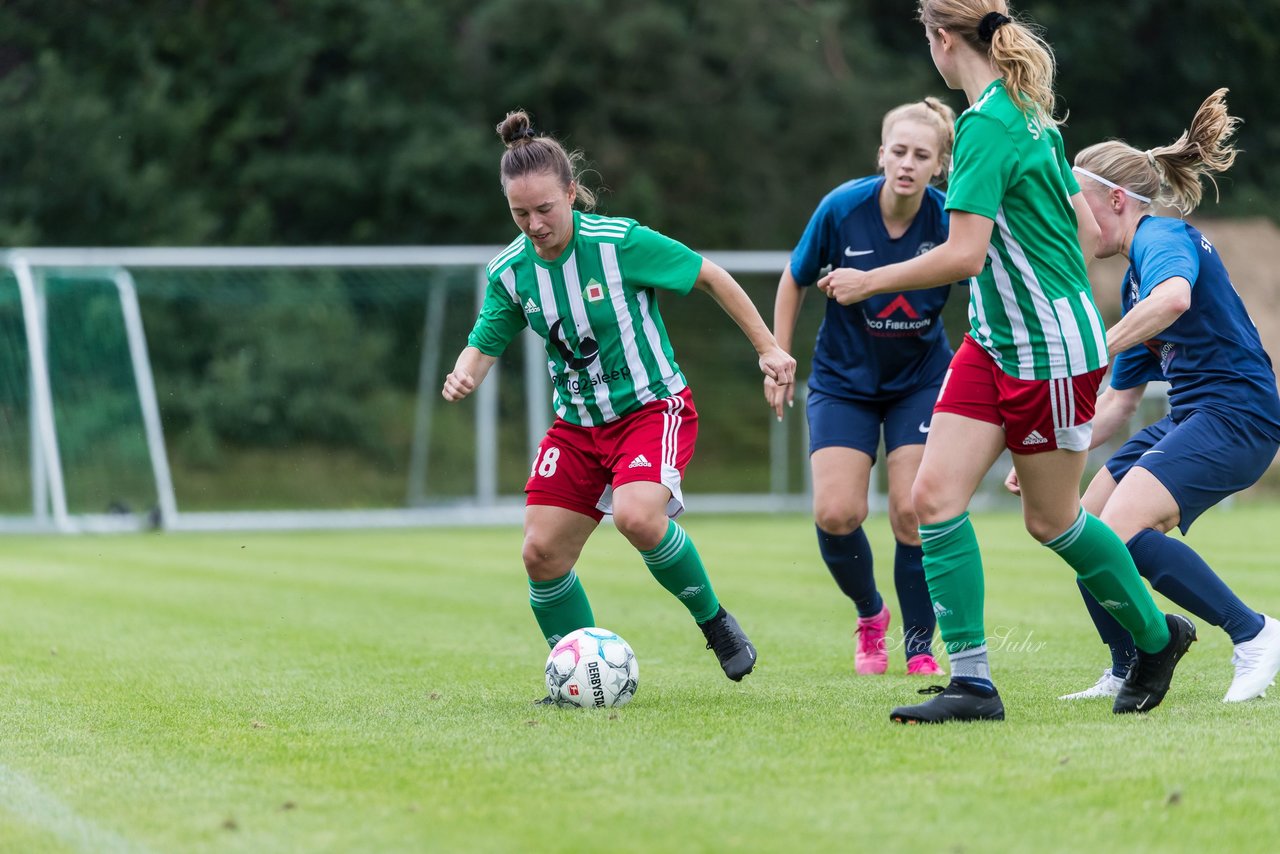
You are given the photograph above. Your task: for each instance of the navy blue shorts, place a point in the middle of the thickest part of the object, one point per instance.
(1201, 461)
(837, 422)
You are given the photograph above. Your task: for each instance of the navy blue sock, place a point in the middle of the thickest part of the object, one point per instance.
(849, 559)
(1180, 574)
(918, 621)
(1114, 635)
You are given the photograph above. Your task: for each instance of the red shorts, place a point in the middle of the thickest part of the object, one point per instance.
(1037, 415)
(578, 467)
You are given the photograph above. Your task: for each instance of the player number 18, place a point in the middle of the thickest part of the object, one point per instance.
(547, 465)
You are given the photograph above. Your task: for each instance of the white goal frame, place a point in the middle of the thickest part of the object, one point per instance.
(485, 506)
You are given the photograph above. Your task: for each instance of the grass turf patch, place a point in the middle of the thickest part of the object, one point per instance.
(372, 691)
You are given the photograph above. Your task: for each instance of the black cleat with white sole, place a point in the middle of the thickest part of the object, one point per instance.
(1149, 677)
(730, 644)
(959, 701)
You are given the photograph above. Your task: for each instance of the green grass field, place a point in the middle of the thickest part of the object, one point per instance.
(372, 692)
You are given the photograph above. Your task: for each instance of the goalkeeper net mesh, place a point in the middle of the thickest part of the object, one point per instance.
(292, 383)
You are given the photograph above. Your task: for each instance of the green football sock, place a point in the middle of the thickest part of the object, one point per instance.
(953, 568)
(560, 606)
(676, 565)
(1106, 570)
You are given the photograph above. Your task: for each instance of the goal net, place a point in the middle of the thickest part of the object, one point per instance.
(207, 389)
(261, 388)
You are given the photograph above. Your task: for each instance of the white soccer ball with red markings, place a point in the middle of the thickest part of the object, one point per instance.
(592, 668)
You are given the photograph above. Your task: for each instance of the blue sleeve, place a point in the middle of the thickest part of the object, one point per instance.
(1133, 367)
(813, 250)
(938, 199)
(1162, 249)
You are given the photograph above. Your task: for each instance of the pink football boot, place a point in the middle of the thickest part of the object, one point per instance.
(923, 664)
(870, 657)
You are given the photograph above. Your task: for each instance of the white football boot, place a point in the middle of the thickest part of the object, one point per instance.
(1256, 662)
(1108, 685)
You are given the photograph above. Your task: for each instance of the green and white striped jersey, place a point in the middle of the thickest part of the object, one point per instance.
(1031, 307)
(596, 309)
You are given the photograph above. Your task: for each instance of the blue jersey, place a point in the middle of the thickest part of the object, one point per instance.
(1211, 356)
(889, 345)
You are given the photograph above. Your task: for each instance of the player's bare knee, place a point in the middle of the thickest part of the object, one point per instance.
(905, 525)
(932, 504)
(642, 528)
(839, 517)
(1046, 528)
(1128, 526)
(541, 560)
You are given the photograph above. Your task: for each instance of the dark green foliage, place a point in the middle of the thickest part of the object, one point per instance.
(330, 122)
(1137, 71)
(274, 358)
(326, 121)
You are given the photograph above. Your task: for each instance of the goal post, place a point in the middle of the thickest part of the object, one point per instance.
(266, 388)
(259, 388)
(50, 504)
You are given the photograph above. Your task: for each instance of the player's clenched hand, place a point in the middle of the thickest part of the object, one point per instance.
(1011, 482)
(846, 285)
(778, 396)
(458, 385)
(777, 365)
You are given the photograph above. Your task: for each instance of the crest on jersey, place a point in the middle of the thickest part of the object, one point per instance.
(594, 291)
(925, 247)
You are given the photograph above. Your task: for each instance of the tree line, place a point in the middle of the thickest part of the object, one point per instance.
(334, 122)
(295, 122)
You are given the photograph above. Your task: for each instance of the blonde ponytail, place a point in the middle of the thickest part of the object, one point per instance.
(1023, 58)
(1170, 174)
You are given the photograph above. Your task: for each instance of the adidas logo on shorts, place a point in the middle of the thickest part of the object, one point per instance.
(1035, 439)
(640, 463)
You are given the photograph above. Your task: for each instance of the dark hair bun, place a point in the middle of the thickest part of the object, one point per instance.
(516, 128)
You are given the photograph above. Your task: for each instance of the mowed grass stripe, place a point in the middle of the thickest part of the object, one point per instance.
(370, 691)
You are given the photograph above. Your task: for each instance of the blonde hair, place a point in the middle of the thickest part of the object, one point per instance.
(933, 113)
(1170, 174)
(531, 153)
(1023, 58)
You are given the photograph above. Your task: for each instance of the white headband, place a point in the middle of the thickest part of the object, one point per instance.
(1130, 193)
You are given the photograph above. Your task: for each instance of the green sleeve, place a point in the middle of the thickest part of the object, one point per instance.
(500, 320)
(652, 260)
(984, 162)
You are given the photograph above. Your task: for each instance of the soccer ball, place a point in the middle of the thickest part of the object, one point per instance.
(592, 668)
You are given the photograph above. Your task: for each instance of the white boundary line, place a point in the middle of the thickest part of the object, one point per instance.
(31, 804)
